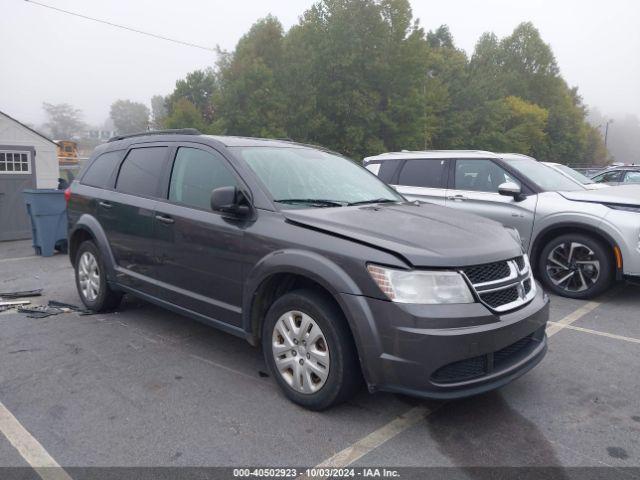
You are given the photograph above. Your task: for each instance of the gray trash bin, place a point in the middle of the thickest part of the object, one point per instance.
(47, 210)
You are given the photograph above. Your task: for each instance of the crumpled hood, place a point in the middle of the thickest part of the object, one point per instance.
(621, 194)
(425, 235)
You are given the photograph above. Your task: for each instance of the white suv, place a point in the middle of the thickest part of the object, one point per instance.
(579, 241)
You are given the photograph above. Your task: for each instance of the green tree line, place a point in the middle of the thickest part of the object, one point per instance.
(362, 77)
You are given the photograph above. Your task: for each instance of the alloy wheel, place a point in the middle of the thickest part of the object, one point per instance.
(573, 267)
(89, 276)
(300, 352)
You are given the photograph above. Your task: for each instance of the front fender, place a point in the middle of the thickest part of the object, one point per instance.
(324, 272)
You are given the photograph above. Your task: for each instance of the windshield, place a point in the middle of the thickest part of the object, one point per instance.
(576, 175)
(306, 177)
(543, 176)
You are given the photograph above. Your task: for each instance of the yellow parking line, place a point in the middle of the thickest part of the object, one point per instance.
(29, 448)
(555, 327)
(602, 334)
(372, 441)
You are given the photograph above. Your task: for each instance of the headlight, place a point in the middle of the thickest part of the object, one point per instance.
(424, 287)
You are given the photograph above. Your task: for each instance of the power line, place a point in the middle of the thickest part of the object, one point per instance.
(123, 27)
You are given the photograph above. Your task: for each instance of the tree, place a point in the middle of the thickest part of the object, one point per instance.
(185, 115)
(251, 98)
(129, 117)
(63, 121)
(158, 112)
(362, 77)
(198, 87)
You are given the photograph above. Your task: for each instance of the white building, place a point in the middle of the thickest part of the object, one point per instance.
(28, 159)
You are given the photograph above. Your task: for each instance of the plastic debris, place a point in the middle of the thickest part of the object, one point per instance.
(21, 294)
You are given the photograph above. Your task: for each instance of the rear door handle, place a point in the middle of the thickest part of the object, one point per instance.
(458, 198)
(165, 219)
(106, 204)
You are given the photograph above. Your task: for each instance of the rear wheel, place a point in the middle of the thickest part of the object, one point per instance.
(91, 280)
(310, 351)
(576, 266)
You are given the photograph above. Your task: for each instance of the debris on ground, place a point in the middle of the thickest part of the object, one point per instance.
(39, 311)
(71, 307)
(21, 294)
(13, 303)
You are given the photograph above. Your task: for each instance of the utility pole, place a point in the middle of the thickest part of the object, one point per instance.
(606, 131)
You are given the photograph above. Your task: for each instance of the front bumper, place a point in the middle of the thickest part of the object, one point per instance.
(446, 351)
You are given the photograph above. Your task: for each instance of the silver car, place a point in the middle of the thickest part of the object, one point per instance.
(580, 241)
(576, 175)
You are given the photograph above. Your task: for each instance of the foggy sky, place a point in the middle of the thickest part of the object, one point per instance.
(52, 57)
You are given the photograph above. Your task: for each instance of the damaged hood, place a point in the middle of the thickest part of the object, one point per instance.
(621, 195)
(424, 235)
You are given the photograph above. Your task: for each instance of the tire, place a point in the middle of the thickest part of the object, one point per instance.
(91, 280)
(334, 349)
(573, 273)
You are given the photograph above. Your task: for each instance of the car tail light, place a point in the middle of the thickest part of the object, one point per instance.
(67, 194)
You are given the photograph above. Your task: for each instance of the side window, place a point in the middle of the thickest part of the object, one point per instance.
(100, 171)
(423, 173)
(613, 176)
(141, 171)
(632, 177)
(480, 176)
(195, 174)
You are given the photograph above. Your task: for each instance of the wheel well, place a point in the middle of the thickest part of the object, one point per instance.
(274, 287)
(76, 240)
(547, 236)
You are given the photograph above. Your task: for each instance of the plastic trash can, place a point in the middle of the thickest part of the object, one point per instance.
(47, 210)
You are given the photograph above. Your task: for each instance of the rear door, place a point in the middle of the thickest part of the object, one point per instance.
(199, 252)
(127, 214)
(424, 180)
(474, 189)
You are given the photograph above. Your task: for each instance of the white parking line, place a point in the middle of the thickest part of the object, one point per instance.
(372, 441)
(15, 259)
(29, 448)
(597, 332)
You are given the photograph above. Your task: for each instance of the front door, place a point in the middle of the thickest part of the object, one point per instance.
(199, 252)
(475, 190)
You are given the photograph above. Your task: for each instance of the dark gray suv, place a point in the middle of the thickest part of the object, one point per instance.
(302, 251)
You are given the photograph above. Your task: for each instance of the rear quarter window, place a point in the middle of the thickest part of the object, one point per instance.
(385, 169)
(100, 171)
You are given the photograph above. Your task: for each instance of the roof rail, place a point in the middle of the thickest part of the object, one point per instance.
(174, 131)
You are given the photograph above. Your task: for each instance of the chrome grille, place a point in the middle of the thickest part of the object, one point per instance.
(503, 286)
(487, 272)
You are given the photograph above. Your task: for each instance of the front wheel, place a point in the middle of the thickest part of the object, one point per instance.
(309, 350)
(576, 266)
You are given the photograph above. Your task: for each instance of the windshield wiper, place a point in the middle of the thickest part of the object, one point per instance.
(374, 200)
(313, 201)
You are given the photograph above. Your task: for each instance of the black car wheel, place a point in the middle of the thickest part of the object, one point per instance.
(310, 351)
(576, 266)
(91, 280)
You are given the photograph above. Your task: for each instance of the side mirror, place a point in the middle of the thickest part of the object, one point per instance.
(510, 189)
(231, 201)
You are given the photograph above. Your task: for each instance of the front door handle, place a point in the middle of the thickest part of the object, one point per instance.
(165, 219)
(104, 204)
(458, 198)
